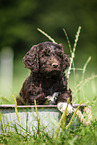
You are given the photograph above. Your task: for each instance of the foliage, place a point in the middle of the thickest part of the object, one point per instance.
(82, 136)
(20, 19)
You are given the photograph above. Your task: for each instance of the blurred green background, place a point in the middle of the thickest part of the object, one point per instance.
(20, 19)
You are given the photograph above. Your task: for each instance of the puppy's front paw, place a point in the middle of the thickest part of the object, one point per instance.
(62, 106)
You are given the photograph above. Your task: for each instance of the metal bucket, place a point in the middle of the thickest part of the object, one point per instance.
(48, 114)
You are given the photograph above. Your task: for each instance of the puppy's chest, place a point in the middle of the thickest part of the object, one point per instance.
(52, 100)
(49, 89)
(51, 93)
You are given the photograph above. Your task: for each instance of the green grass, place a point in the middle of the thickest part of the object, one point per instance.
(82, 136)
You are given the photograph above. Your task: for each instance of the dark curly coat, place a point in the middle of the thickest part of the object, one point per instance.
(47, 62)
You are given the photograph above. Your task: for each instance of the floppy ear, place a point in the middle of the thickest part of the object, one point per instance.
(31, 60)
(66, 62)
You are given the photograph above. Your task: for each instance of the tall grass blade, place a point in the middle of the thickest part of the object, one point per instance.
(16, 129)
(4, 100)
(23, 129)
(76, 39)
(69, 45)
(22, 100)
(85, 66)
(62, 121)
(93, 85)
(82, 83)
(73, 52)
(38, 119)
(45, 34)
(16, 111)
(67, 127)
(1, 123)
(8, 125)
(27, 122)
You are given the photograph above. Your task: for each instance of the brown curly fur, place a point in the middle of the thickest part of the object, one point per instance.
(47, 62)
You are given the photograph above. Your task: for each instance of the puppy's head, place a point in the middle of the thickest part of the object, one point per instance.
(46, 57)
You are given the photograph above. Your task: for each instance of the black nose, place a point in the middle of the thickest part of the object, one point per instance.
(55, 65)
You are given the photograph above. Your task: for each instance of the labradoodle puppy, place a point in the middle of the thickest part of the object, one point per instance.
(47, 83)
